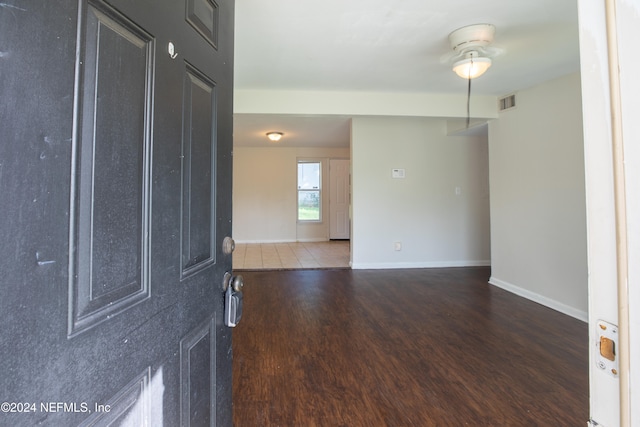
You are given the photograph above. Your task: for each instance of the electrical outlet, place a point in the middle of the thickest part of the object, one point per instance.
(397, 246)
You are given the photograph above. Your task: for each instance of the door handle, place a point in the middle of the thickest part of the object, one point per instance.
(232, 286)
(236, 282)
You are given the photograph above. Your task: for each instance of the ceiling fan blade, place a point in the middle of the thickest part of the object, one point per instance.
(491, 51)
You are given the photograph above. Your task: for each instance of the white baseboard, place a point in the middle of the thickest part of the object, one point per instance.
(399, 265)
(263, 241)
(540, 299)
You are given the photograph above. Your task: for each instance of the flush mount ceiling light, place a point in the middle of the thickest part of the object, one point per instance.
(471, 55)
(274, 136)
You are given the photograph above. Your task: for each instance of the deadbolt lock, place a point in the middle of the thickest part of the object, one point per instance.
(228, 246)
(232, 286)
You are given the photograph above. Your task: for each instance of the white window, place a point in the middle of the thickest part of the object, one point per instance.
(309, 191)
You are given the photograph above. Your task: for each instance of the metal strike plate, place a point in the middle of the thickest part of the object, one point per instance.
(607, 347)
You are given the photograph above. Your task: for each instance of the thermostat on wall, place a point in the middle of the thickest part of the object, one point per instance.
(397, 173)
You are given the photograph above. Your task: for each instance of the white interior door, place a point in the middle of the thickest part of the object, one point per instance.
(339, 197)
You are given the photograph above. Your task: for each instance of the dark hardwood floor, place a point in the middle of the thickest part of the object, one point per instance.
(435, 347)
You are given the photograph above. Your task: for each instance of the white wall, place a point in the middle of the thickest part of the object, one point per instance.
(435, 226)
(538, 225)
(264, 194)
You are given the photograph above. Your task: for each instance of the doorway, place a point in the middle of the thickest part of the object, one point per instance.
(291, 256)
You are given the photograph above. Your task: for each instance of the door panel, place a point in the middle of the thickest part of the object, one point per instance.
(110, 180)
(197, 158)
(115, 181)
(198, 385)
(131, 406)
(203, 15)
(340, 193)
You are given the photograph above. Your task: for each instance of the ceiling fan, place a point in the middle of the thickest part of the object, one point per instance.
(471, 54)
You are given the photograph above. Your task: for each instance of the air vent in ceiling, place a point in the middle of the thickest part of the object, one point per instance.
(507, 102)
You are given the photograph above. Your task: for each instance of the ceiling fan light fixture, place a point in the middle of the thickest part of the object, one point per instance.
(274, 136)
(472, 37)
(471, 67)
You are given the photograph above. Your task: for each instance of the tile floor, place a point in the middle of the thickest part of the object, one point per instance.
(275, 256)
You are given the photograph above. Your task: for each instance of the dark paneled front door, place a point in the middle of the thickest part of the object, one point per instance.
(115, 193)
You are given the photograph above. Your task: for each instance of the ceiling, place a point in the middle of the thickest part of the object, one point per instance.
(300, 131)
(383, 46)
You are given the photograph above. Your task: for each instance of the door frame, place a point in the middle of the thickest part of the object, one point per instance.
(608, 31)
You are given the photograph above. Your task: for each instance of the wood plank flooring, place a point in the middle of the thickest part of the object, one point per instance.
(435, 347)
